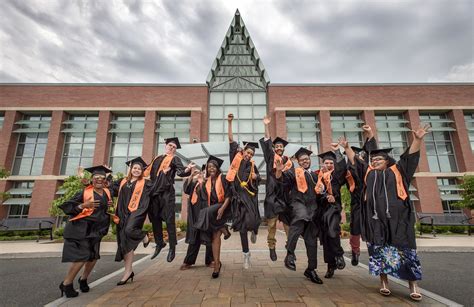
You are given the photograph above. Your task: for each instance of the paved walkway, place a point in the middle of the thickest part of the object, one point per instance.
(267, 283)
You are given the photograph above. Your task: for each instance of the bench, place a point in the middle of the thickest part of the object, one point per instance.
(444, 219)
(29, 224)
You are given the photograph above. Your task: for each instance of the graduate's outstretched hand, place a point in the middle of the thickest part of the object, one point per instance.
(266, 120)
(91, 204)
(279, 165)
(230, 117)
(334, 146)
(421, 131)
(200, 178)
(331, 199)
(367, 129)
(166, 170)
(343, 142)
(80, 172)
(110, 203)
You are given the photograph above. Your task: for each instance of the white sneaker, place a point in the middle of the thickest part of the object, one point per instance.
(253, 237)
(247, 263)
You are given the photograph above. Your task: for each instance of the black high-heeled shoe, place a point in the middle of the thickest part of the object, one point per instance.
(145, 245)
(216, 274)
(83, 285)
(227, 233)
(68, 289)
(123, 282)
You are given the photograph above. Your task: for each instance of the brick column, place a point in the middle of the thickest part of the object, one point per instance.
(195, 129)
(149, 136)
(4, 186)
(278, 127)
(462, 147)
(102, 142)
(43, 195)
(8, 139)
(52, 161)
(184, 207)
(368, 116)
(325, 131)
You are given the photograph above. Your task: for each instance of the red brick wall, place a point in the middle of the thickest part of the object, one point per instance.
(43, 195)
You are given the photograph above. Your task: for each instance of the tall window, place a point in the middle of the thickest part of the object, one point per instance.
(80, 131)
(347, 124)
(248, 108)
(172, 125)
(469, 117)
(439, 145)
(392, 132)
(2, 118)
(304, 129)
(20, 198)
(450, 194)
(32, 143)
(127, 139)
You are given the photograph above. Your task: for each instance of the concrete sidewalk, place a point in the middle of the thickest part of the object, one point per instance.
(266, 283)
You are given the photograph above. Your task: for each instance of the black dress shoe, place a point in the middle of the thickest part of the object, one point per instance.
(340, 263)
(171, 255)
(290, 262)
(355, 259)
(226, 232)
(273, 254)
(311, 274)
(68, 289)
(330, 272)
(123, 282)
(216, 274)
(158, 249)
(83, 285)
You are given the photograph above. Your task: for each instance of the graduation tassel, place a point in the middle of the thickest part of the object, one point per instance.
(387, 211)
(375, 216)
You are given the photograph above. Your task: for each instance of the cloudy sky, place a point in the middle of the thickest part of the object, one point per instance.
(175, 41)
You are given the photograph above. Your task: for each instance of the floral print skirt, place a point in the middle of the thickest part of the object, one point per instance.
(401, 263)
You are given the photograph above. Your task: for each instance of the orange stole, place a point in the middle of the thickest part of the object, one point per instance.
(137, 194)
(401, 192)
(288, 163)
(219, 191)
(301, 180)
(234, 167)
(88, 194)
(350, 181)
(165, 163)
(324, 179)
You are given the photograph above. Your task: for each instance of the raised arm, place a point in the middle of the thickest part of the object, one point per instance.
(368, 133)
(266, 122)
(230, 118)
(347, 149)
(418, 136)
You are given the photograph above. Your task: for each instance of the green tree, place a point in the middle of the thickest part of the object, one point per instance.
(467, 192)
(346, 199)
(4, 174)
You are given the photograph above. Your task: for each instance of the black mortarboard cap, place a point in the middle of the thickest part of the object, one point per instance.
(302, 151)
(217, 161)
(357, 149)
(99, 169)
(174, 140)
(380, 152)
(328, 155)
(280, 140)
(136, 160)
(251, 145)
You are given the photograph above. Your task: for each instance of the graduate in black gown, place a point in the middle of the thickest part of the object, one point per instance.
(163, 169)
(301, 181)
(193, 235)
(212, 191)
(133, 194)
(277, 200)
(88, 224)
(331, 178)
(244, 179)
(388, 215)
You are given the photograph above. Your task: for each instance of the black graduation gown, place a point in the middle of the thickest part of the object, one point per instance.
(82, 237)
(129, 229)
(163, 201)
(245, 213)
(397, 228)
(277, 196)
(207, 221)
(192, 233)
(304, 205)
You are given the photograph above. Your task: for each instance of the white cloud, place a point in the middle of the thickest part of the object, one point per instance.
(458, 73)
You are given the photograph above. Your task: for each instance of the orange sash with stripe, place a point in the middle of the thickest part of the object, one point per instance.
(234, 167)
(288, 163)
(301, 183)
(165, 163)
(324, 180)
(401, 192)
(219, 191)
(88, 195)
(350, 181)
(137, 194)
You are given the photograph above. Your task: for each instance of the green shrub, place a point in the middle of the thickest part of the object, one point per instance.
(346, 227)
(147, 228)
(58, 232)
(441, 229)
(457, 229)
(182, 225)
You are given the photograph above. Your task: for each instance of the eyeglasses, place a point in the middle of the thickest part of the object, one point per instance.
(377, 159)
(98, 177)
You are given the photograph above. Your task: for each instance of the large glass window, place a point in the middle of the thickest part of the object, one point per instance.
(450, 194)
(304, 129)
(2, 118)
(127, 140)
(172, 125)
(20, 198)
(392, 132)
(439, 145)
(32, 143)
(79, 143)
(469, 117)
(248, 108)
(349, 125)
